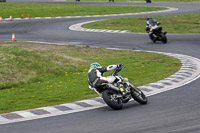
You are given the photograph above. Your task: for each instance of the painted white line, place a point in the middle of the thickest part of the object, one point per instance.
(78, 27)
(148, 87)
(25, 114)
(91, 102)
(37, 18)
(72, 106)
(107, 15)
(2, 119)
(48, 17)
(50, 109)
(167, 89)
(50, 115)
(17, 19)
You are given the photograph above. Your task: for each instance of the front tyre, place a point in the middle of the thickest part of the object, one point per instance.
(148, 1)
(151, 36)
(110, 98)
(163, 37)
(138, 96)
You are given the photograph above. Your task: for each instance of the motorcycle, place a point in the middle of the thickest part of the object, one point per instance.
(148, 1)
(156, 34)
(113, 96)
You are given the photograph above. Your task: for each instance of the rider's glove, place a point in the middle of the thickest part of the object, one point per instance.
(147, 29)
(119, 66)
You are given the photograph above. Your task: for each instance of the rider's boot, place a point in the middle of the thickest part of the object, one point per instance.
(122, 90)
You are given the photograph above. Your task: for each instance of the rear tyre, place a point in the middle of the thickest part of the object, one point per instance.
(163, 38)
(138, 96)
(109, 96)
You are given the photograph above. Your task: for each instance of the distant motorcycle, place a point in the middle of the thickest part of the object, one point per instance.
(156, 33)
(112, 95)
(148, 1)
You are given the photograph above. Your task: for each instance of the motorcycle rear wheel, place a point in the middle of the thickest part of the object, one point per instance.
(111, 101)
(138, 95)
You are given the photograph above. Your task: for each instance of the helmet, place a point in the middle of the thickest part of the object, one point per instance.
(94, 65)
(149, 17)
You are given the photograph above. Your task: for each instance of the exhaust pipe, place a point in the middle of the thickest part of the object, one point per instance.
(113, 87)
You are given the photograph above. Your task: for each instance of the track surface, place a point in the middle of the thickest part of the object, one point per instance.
(175, 111)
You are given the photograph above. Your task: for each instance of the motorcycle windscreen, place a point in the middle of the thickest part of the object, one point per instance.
(152, 22)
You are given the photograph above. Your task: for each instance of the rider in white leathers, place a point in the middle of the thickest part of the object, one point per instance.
(96, 78)
(150, 22)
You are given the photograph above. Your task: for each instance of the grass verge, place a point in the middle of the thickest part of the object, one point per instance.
(184, 23)
(52, 9)
(35, 75)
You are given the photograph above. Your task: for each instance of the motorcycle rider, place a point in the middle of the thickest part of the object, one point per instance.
(96, 79)
(151, 22)
(148, 1)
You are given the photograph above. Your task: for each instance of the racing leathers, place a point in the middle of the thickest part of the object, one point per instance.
(95, 76)
(149, 24)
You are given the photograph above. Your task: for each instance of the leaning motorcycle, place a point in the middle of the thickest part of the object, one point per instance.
(113, 96)
(156, 34)
(148, 1)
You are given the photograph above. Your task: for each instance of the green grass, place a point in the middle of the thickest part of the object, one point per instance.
(52, 10)
(184, 23)
(35, 75)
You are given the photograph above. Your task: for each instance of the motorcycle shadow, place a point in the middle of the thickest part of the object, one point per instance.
(157, 43)
(127, 106)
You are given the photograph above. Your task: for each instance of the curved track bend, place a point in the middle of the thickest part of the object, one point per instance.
(175, 111)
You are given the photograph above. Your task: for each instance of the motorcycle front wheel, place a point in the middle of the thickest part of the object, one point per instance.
(110, 98)
(151, 36)
(138, 95)
(163, 37)
(148, 1)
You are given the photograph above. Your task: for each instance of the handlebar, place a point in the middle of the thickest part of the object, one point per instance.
(121, 66)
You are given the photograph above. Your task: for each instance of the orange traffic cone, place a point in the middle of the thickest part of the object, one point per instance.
(13, 36)
(1, 18)
(29, 17)
(22, 16)
(11, 18)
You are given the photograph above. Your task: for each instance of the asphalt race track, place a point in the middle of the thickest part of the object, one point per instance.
(175, 111)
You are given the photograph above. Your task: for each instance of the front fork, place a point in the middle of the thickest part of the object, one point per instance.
(135, 88)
